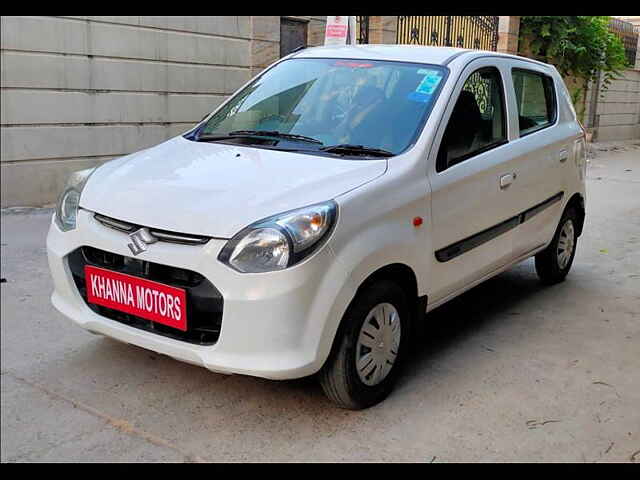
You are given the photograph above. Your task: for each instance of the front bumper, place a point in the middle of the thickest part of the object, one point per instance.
(273, 324)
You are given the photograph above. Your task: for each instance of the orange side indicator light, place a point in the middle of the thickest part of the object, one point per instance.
(417, 221)
(316, 222)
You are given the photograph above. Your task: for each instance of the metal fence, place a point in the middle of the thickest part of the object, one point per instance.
(629, 36)
(362, 29)
(477, 32)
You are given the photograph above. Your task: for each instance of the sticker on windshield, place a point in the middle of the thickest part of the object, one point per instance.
(426, 87)
(430, 82)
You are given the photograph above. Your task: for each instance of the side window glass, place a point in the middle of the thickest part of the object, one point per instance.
(536, 100)
(477, 122)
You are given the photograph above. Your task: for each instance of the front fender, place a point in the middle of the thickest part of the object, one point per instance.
(375, 229)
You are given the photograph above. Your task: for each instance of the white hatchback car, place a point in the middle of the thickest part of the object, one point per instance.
(306, 224)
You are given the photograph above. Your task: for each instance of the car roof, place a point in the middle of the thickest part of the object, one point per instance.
(402, 53)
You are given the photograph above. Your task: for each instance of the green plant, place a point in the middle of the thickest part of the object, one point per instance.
(577, 98)
(579, 46)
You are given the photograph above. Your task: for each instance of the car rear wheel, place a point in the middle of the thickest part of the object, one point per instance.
(369, 348)
(554, 262)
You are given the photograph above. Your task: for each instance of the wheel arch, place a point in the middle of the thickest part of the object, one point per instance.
(399, 273)
(577, 202)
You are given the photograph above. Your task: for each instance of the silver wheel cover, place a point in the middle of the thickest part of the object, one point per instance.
(378, 343)
(566, 244)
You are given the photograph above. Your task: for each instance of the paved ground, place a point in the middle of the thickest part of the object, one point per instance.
(510, 371)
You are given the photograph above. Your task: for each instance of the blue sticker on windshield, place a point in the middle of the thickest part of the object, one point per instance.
(430, 82)
(427, 86)
(419, 97)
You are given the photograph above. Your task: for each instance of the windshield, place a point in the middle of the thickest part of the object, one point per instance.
(336, 102)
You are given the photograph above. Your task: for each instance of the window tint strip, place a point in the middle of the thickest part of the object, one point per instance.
(455, 250)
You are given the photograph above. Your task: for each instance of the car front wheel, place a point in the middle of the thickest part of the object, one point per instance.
(369, 348)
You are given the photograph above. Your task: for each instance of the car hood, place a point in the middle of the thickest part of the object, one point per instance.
(217, 189)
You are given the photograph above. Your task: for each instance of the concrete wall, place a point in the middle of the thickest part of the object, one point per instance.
(615, 115)
(382, 29)
(508, 34)
(77, 91)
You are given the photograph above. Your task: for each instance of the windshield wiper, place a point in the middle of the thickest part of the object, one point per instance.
(258, 133)
(347, 149)
(275, 133)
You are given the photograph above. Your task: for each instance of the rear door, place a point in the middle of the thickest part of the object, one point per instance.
(471, 170)
(543, 150)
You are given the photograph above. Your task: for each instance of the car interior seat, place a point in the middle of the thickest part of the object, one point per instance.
(463, 127)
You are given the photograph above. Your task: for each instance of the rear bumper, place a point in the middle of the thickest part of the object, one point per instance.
(272, 323)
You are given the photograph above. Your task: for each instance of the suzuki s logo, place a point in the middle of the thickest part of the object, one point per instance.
(140, 239)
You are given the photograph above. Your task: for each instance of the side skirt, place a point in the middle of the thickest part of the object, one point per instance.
(493, 273)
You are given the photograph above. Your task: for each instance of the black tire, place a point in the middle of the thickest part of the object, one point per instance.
(547, 263)
(339, 377)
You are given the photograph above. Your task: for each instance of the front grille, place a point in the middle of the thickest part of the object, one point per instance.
(204, 301)
(161, 235)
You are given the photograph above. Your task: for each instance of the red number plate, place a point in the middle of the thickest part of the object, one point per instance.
(137, 296)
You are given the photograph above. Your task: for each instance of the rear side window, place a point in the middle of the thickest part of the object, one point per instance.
(478, 122)
(536, 100)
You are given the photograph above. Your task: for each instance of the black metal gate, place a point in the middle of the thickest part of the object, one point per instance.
(629, 36)
(362, 29)
(477, 32)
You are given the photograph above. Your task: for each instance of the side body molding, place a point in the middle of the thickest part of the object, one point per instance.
(456, 249)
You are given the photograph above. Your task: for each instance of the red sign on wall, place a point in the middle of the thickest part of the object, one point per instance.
(337, 31)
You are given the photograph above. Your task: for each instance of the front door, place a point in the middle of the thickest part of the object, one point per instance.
(471, 172)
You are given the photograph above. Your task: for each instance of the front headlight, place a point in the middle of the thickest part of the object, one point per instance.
(67, 208)
(281, 241)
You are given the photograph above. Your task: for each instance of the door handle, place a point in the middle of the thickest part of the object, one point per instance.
(506, 180)
(563, 155)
